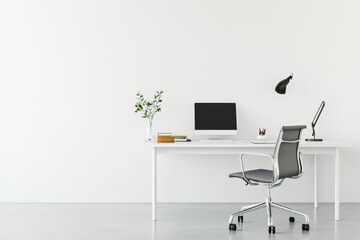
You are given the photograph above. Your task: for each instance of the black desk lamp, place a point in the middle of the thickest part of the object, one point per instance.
(281, 86)
(316, 118)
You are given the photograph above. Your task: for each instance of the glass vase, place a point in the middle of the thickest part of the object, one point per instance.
(149, 137)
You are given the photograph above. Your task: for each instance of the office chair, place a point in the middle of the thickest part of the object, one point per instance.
(286, 163)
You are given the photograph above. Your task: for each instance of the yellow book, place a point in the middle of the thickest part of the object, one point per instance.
(165, 139)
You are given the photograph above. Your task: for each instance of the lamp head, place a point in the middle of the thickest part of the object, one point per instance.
(281, 86)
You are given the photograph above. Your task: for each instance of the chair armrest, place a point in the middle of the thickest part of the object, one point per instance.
(256, 154)
(288, 141)
(253, 154)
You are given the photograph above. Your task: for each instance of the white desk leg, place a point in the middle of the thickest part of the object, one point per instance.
(154, 183)
(337, 184)
(315, 182)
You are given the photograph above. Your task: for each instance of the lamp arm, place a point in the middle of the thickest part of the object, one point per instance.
(313, 130)
(291, 76)
(317, 115)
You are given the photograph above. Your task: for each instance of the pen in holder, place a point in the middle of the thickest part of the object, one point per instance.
(262, 133)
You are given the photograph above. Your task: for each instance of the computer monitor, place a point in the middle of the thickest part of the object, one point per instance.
(215, 119)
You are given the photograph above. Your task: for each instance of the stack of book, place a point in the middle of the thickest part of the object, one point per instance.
(168, 138)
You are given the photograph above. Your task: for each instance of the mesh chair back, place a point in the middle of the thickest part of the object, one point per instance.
(287, 151)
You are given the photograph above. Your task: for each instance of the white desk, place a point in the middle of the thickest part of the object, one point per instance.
(236, 147)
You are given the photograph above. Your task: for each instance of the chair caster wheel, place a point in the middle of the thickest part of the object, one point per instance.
(271, 229)
(232, 227)
(305, 227)
(291, 219)
(240, 218)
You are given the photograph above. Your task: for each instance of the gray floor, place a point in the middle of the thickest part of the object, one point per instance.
(176, 221)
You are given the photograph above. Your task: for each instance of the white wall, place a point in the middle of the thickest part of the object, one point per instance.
(69, 72)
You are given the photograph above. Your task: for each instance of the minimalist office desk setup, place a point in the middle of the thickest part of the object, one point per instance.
(236, 147)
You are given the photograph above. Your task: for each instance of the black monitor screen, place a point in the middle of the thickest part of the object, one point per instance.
(215, 116)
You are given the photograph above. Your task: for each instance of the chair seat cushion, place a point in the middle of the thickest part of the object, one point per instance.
(258, 175)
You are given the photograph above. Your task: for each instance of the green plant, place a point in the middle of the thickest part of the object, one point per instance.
(146, 108)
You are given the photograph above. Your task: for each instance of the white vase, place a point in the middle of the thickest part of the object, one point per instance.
(261, 137)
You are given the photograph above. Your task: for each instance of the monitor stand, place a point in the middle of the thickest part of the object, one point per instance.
(215, 139)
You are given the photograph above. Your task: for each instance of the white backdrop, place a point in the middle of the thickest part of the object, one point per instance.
(69, 72)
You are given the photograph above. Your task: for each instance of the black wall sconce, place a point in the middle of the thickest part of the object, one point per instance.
(281, 86)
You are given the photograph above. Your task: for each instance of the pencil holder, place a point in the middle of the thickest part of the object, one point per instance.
(262, 133)
(261, 137)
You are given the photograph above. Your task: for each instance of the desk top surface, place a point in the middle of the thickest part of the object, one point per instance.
(245, 144)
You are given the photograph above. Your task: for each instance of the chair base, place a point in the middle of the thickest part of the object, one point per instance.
(269, 205)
